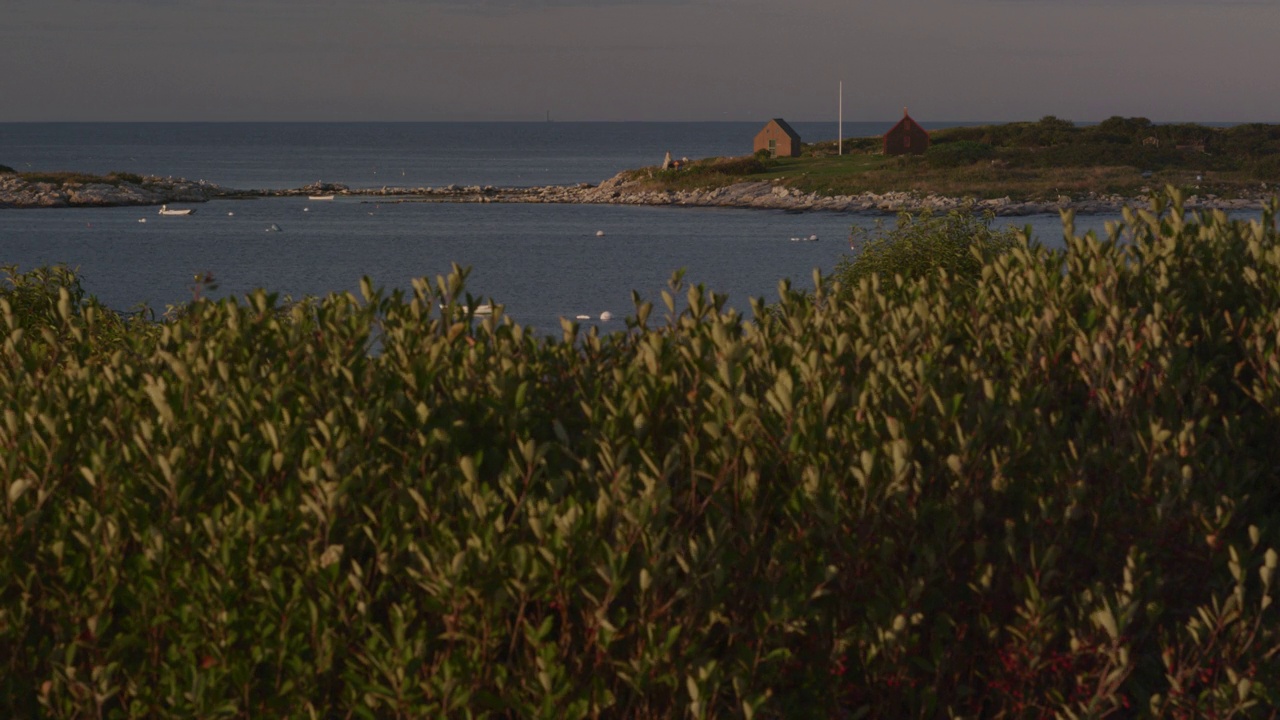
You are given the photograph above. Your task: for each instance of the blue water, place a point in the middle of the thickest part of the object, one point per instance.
(542, 262)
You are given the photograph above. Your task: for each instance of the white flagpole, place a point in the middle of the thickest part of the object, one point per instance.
(840, 127)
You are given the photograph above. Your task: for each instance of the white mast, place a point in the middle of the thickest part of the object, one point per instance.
(840, 123)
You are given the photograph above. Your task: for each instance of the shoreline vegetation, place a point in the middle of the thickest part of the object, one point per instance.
(966, 476)
(1012, 169)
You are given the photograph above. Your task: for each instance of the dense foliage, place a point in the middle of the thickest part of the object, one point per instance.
(1049, 490)
(1053, 143)
(959, 243)
(78, 178)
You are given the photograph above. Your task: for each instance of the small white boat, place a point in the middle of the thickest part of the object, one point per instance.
(164, 210)
(319, 197)
(811, 238)
(484, 310)
(273, 228)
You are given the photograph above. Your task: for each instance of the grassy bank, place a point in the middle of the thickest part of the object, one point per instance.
(1041, 483)
(67, 178)
(1037, 161)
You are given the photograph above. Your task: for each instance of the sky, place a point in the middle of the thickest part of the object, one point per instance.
(617, 60)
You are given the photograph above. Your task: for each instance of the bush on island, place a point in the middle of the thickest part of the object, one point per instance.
(957, 154)
(960, 243)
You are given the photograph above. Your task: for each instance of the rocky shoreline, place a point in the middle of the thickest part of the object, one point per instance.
(618, 190)
(16, 192)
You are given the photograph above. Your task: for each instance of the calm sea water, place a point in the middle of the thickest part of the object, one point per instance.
(371, 155)
(543, 262)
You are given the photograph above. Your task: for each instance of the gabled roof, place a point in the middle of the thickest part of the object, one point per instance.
(906, 120)
(782, 124)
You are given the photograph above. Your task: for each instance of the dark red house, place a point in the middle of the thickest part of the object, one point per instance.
(906, 138)
(779, 139)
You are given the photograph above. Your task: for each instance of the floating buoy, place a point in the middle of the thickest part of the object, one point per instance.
(306, 209)
(606, 316)
(230, 214)
(142, 219)
(599, 233)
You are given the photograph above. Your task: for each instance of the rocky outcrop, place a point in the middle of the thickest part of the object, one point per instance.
(17, 192)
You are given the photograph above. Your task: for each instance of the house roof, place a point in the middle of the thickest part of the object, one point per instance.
(906, 120)
(782, 124)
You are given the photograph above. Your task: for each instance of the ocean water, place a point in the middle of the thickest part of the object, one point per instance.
(372, 155)
(542, 262)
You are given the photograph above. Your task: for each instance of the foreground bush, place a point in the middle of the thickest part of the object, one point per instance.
(918, 247)
(1053, 491)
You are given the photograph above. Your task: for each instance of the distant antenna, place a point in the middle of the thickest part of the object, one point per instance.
(548, 116)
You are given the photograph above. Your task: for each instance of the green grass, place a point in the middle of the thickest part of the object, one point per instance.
(78, 178)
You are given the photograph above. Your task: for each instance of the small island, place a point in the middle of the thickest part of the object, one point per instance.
(1019, 168)
(1013, 168)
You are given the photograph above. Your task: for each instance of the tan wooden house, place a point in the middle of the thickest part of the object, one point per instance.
(779, 139)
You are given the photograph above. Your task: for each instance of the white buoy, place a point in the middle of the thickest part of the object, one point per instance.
(599, 233)
(306, 209)
(230, 214)
(142, 219)
(606, 316)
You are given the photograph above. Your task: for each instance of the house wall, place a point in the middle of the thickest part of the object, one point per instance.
(906, 138)
(785, 146)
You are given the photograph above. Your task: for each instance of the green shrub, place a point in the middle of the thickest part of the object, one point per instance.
(49, 306)
(5, 169)
(1050, 491)
(128, 177)
(957, 154)
(961, 243)
(78, 178)
(733, 166)
(1266, 168)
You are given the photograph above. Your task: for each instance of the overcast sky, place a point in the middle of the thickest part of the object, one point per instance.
(997, 60)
